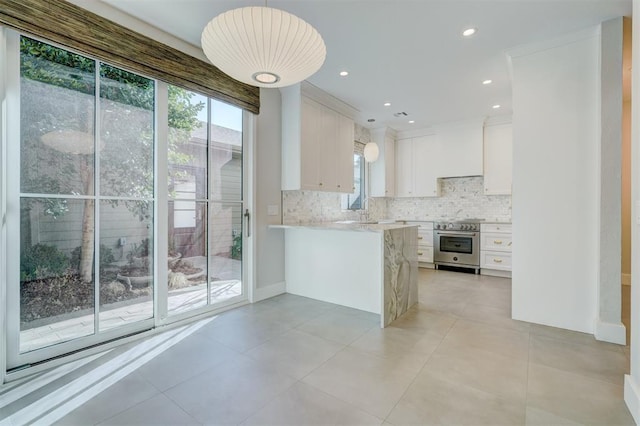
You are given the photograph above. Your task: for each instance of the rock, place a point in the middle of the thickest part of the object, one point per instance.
(177, 280)
(116, 288)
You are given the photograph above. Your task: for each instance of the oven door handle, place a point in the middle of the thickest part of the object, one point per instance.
(455, 233)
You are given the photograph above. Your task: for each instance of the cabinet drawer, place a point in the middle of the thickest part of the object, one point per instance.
(495, 241)
(425, 237)
(496, 227)
(495, 260)
(425, 254)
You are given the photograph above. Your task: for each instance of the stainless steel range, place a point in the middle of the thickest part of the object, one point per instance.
(457, 243)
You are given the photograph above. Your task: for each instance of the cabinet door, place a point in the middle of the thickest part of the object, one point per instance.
(404, 168)
(344, 154)
(328, 150)
(425, 166)
(389, 167)
(461, 145)
(498, 148)
(311, 121)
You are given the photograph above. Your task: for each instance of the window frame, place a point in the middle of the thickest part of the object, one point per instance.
(358, 203)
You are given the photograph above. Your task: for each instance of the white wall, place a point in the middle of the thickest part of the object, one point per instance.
(632, 381)
(269, 242)
(608, 325)
(555, 182)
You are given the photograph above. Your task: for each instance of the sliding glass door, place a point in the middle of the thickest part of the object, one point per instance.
(205, 202)
(87, 263)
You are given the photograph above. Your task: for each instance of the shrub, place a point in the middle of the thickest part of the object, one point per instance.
(139, 250)
(106, 257)
(236, 247)
(42, 261)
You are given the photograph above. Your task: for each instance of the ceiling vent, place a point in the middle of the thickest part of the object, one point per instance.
(400, 114)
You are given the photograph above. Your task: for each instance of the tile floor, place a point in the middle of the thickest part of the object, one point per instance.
(456, 359)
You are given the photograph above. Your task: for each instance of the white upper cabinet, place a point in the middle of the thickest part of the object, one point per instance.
(426, 166)
(310, 144)
(317, 141)
(382, 171)
(498, 149)
(461, 145)
(417, 167)
(404, 168)
(344, 149)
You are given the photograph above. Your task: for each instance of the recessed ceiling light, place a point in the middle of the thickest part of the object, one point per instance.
(387, 104)
(411, 121)
(469, 32)
(496, 106)
(344, 73)
(487, 82)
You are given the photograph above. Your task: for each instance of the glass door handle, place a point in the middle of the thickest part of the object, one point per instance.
(247, 215)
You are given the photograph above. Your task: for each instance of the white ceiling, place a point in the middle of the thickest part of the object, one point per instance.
(407, 52)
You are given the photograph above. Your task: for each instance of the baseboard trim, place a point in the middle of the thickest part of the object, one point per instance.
(632, 397)
(262, 293)
(610, 332)
(626, 279)
(495, 273)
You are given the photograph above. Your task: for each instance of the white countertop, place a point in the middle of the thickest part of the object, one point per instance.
(504, 222)
(355, 226)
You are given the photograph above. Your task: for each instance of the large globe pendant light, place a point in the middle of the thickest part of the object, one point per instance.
(262, 46)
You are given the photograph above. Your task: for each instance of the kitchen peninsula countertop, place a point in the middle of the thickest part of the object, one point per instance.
(368, 266)
(343, 226)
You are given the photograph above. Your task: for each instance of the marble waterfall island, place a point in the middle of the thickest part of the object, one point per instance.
(371, 267)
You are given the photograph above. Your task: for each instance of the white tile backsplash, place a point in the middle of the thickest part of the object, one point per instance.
(460, 198)
(313, 206)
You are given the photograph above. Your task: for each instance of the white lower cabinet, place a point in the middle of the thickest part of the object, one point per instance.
(425, 243)
(495, 249)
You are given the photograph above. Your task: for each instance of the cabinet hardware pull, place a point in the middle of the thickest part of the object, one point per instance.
(497, 260)
(338, 186)
(420, 253)
(320, 183)
(509, 243)
(421, 238)
(497, 241)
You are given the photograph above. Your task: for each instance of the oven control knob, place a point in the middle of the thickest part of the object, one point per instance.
(437, 226)
(450, 226)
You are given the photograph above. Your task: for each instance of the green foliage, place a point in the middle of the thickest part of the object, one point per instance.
(139, 250)
(126, 88)
(182, 114)
(48, 64)
(106, 257)
(42, 261)
(236, 247)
